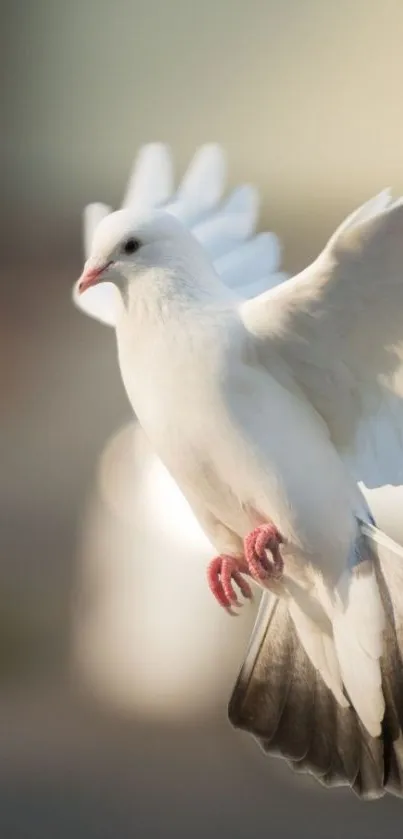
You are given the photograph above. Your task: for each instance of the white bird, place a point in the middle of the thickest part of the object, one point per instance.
(251, 265)
(264, 412)
(142, 474)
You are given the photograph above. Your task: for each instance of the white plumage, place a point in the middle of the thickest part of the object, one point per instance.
(196, 203)
(273, 406)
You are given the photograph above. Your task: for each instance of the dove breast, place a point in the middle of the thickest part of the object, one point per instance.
(236, 439)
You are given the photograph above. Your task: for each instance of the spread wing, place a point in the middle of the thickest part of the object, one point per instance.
(339, 327)
(226, 229)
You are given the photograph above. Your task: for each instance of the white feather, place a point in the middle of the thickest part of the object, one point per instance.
(234, 223)
(203, 184)
(251, 261)
(317, 640)
(93, 215)
(101, 302)
(224, 230)
(250, 290)
(151, 179)
(339, 326)
(358, 627)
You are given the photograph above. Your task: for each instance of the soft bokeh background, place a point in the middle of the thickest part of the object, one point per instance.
(113, 695)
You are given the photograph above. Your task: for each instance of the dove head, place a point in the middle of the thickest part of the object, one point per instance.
(125, 247)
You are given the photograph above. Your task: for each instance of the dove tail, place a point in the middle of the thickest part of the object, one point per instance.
(283, 702)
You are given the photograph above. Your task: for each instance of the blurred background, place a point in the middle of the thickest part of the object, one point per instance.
(114, 674)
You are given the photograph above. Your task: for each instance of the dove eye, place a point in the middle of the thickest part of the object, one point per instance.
(131, 246)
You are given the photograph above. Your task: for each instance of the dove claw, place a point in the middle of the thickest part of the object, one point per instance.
(264, 538)
(223, 571)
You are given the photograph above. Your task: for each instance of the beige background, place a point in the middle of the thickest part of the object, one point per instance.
(306, 97)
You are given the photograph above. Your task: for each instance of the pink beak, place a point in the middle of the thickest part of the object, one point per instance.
(90, 277)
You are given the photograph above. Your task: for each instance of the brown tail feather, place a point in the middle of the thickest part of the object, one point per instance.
(283, 702)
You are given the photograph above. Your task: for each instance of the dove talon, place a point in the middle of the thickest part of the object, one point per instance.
(263, 539)
(222, 573)
(243, 586)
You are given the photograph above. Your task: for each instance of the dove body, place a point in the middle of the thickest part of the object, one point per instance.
(220, 389)
(242, 446)
(273, 408)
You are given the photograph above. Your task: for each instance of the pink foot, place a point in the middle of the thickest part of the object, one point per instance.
(264, 538)
(220, 573)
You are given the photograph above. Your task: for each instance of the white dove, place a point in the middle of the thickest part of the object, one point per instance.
(246, 262)
(288, 357)
(256, 406)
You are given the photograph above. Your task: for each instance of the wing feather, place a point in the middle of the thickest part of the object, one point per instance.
(150, 182)
(339, 327)
(92, 216)
(226, 229)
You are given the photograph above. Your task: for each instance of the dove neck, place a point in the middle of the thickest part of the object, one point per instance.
(168, 326)
(186, 287)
